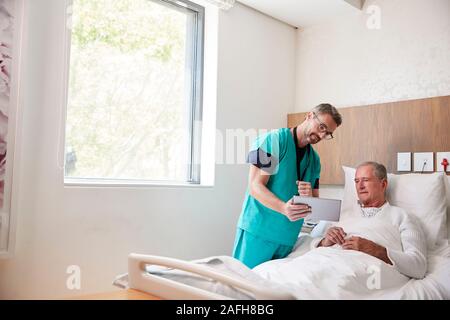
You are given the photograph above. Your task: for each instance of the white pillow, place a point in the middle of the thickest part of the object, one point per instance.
(422, 195)
(447, 185)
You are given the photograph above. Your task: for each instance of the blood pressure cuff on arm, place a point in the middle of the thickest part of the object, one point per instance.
(261, 159)
(264, 153)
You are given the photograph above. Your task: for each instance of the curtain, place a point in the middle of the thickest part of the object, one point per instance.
(6, 37)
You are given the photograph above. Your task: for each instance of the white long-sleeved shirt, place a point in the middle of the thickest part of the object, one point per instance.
(409, 256)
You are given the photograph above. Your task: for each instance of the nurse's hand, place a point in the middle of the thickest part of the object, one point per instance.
(334, 235)
(304, 189)
(295, 212)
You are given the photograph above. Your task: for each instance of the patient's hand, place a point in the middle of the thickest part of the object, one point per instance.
(334, 235)
(367, 246)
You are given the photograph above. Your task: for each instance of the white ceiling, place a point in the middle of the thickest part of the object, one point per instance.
(304, 13)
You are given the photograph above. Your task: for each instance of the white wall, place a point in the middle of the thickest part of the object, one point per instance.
(347, 64)
(97, 228)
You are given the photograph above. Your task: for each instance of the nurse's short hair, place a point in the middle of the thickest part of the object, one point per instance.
(326, 108)
(379, 170)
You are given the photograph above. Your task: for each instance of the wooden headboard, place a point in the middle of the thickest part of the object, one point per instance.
(378, 132)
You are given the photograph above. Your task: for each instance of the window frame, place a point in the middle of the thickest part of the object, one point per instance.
(195, 50)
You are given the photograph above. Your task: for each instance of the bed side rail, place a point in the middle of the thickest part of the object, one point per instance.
(140, 279)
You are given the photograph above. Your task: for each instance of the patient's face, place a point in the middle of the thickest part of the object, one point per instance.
(370, 189)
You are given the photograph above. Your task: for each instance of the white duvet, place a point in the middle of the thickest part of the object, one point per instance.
(334, 273)
(326, 273)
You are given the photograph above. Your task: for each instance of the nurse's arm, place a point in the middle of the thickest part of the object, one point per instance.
(315, 193)
(258, 179)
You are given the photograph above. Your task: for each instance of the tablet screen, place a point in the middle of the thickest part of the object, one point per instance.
(321, 208)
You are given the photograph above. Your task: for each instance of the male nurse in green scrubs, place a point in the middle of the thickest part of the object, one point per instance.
(283, 164)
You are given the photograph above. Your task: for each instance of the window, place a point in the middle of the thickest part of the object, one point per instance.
(134, 101)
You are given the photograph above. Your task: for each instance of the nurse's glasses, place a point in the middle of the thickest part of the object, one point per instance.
(323, 129)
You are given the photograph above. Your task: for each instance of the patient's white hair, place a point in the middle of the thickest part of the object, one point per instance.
(378, 169)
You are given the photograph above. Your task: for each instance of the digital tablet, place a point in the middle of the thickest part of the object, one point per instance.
(321, 208)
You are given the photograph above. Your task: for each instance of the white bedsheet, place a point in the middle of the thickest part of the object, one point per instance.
(334, 273)
(329, 273)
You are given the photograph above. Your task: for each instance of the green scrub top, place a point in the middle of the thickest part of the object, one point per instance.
(257, 218)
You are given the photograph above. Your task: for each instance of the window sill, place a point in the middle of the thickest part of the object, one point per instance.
(105, 183)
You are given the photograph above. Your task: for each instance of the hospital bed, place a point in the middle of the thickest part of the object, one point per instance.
(223, 277)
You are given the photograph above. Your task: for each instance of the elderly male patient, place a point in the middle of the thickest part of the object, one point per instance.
(409, 255)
